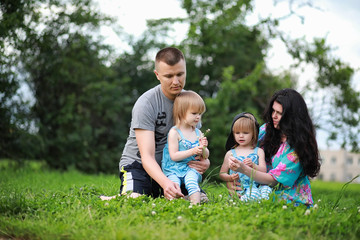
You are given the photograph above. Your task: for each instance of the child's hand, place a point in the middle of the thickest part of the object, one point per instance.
(197, 150)
(234, 177)
(234, 164)
(203, 142)
(248, 162)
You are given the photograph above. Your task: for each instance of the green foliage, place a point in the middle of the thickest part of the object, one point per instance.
(249, 94)
(77, 109)
(43, 204)
(83, 99)
(341, 101)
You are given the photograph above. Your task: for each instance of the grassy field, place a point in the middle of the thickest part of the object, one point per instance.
(36, 203)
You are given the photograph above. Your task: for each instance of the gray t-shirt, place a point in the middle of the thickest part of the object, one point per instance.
(152, 111)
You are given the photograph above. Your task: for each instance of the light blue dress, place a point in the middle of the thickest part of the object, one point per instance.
(251, 190)
(178, 171)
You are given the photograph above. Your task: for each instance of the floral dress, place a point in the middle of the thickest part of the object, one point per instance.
(286, 169)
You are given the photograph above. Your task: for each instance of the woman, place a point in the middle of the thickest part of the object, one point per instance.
(289, 143)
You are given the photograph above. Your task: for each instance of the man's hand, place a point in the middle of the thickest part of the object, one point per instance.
(200, 166)
(172, 190)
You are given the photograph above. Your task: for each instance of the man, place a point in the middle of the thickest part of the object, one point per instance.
(140, 163)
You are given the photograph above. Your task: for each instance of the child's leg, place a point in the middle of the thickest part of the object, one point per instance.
(265, 191)
(192, 185)
(251, 196)
(255, 193)
(175, 179)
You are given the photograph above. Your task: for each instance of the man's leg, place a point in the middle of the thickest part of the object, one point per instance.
(135, 180)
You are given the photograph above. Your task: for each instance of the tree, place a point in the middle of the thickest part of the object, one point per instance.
(16, 142)
(77, 104)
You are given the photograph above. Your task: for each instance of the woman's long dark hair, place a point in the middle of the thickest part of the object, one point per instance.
(297, 126)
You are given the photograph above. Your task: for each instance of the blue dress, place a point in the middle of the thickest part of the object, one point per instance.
(251, 190)
(179, 168)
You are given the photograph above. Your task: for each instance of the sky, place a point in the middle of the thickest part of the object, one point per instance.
(338, 21)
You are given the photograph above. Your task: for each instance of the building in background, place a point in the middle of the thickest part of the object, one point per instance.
(339, 166)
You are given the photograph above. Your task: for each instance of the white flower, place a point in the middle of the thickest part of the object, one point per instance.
(316, 206)
(179, 218)
(234, 203)
(107, 204)
(319, 200)
(307, 212)
(153, 205)
(220, 196)
(190, 206)
(359, 210)
(231, 200)
(153, 212)
(284, 207)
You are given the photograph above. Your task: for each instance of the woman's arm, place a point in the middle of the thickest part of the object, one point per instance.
(260, 177)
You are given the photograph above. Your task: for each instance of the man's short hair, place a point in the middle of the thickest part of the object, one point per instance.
(169, 55)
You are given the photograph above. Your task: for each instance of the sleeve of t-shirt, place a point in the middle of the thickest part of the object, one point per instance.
(288, 170)
(143, 115)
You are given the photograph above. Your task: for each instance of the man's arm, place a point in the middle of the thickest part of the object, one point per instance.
(146, 143)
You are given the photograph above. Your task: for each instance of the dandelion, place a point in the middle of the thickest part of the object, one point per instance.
(220, 196)
(179, 218)
(316, 206)
(153, 205)
(284, 207)
(203, 135)
(153, 213)
(319, 200)
(190, 206)
(307, 212)
(106, 204)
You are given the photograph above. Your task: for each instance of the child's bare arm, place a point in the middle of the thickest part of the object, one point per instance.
(262, 164)
(175, 154)
(224, 171)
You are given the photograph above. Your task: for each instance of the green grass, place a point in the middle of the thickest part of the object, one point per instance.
(36, 203)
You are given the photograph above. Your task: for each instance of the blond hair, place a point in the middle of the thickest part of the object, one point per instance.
(187, 100)
(247, 124)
